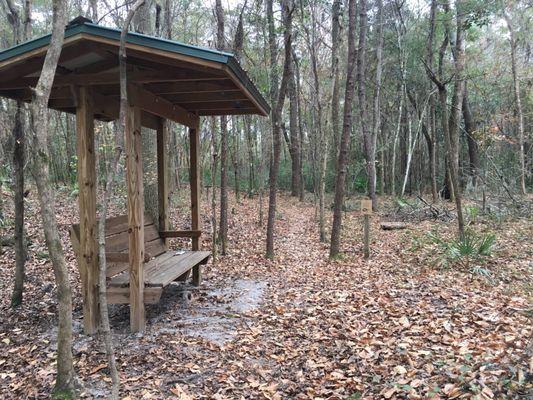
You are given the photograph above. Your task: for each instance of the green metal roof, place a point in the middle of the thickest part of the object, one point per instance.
(147, 41)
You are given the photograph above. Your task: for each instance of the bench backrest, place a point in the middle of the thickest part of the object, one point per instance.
(117, 240)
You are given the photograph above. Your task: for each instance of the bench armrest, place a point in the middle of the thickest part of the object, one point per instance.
(180, 234)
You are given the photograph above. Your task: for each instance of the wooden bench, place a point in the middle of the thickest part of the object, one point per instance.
(161, 266)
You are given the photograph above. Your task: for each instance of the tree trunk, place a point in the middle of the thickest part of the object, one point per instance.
(336, 38)
(223, 231)
(346, 130)
(455, 116)
(431, 138)
(19, 153)
(368, 142)
(287, 8)
(214, 157)
(65, 368)
(518, 98)
(294, 147)
(377, 99)
(18, 189)
(473, 148)
(250, 141)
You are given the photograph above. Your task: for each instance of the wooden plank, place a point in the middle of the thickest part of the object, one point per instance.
(180, 234)
(157, 105)
(116, 268)
(162, 56)
(234, 105)
(194, 149)
(162, 176)
(112, 77)
(216, 111)
(124, 278)
(118, 295)
(135, 217)
(88, 248)
(117, 257)
(153, 249)
(192, 87)
(203, 97)
(165, 268)
(172, 269)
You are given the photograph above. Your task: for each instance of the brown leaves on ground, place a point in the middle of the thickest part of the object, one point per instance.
(390, 327)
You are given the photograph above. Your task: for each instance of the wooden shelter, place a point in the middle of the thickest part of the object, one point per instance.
(167, 80)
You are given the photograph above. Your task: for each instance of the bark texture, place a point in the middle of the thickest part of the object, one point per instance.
(346, 130)
(65, 368)
(286, 8)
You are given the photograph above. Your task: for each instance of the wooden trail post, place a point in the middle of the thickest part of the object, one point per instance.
(366, 209)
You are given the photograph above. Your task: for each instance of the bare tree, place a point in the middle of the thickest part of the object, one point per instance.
(223, 231)
(377, 94)
(473, 147)
(20, 33)
(336, 40)
(277, 107)
(516, 87)
(346, 130)
(368, 142)
(40, 170)
(431, 135)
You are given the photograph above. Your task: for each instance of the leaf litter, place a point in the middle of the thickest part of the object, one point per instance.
(299, 327)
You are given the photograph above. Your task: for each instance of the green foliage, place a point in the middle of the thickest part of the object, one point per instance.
(467, 252)
(360, 183)
(472, 213)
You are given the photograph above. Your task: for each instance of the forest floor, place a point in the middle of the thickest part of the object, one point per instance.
(399, 325)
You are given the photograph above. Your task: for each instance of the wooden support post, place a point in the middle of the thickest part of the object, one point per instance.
(135, 216)
(366, 209)
(194, 136)
(367, 236)
(162, 176)
(87, 204)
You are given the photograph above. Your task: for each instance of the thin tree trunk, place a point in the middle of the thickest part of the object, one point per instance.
(368, 142)
(65, 368)
(473, 148)
(287, 8)
(336, 39)
(251, 158)
(399, 36)
(300, 125)
(455, 115)
(19, 152)
(223, 231)
(18, 189)
(105, 328)
(518, 98)
(346, 130)
(432, 136)
(214, 157)
(377, 95)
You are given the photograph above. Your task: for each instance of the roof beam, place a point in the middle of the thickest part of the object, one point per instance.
(111, 77)
(234, 105)
(186, 98)
(242, 111)
(104, 106)
(159, 106)
(224, 84)
(35, 64)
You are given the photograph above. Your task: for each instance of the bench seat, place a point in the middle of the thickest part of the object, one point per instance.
(165, 268)
(161, 266)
